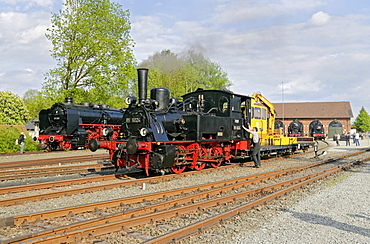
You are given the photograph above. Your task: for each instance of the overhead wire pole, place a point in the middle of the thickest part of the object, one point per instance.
(282, 102)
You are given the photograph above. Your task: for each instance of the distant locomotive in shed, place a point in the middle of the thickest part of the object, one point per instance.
(162, 134)
(67, 126)
(316, 130)
(295, 128)
(279, 125)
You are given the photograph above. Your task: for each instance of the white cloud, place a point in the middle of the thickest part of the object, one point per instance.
(22, 39)
(21, 27)
(259, 43)
(235, 11)
(29, 3)
(319, 18)
(19, 81)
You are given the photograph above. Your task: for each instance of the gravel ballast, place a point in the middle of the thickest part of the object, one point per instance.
(340, 213)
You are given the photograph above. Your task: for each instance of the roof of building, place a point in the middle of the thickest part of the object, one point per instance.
(314, 110)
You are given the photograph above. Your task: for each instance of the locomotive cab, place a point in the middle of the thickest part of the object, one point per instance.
(217, 115)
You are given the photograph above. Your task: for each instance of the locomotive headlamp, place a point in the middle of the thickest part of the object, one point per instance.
(145, 131)
(130, 100)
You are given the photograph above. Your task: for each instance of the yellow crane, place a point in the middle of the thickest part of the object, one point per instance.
(263, 116)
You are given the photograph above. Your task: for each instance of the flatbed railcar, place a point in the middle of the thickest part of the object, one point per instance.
(163, 134)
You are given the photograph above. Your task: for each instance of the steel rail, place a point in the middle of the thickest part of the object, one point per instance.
(225, 186)
(127, 182)
(207, 223)
(65, 183)
(51, 161)
(80, 234)
(20, 219)
(204, 224)
(19, 200)
(72, 169)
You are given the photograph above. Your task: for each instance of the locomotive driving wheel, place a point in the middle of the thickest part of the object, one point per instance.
(200, 166)
(202, 153)
(65, 146)
(53, 146)
(177, 169)
(194, 148)
(216, 154)
(180, 156)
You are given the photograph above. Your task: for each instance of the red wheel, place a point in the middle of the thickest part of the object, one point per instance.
(92, 135)
(193, 156)
(180, 159)
(178, 169)
(200, 166)
(202, 153)
(216, 154)
(65, 146)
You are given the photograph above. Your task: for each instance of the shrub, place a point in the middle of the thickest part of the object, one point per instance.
(8, 135)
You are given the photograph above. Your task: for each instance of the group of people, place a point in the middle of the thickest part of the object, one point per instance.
(355, 137)
(256, 155)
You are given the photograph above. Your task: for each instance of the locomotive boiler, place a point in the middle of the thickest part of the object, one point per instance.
(163, 134)
(67, 125)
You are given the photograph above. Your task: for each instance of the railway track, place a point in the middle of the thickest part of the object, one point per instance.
(52, 166)
(209, 198)
(62, 188)
(50, 161)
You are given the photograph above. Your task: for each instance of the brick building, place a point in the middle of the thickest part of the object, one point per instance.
(329, 114)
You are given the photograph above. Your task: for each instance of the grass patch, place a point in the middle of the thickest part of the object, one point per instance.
(337, 181)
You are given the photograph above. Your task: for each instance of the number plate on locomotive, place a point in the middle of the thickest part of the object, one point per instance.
(133, 120)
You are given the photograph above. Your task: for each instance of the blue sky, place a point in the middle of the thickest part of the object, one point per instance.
(318, 50)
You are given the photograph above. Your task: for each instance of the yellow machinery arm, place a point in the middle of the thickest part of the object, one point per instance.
(258, 97)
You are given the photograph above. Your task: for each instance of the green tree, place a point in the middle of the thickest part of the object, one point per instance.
(35, 101)
(12, 109)
(93, 49)
(362, 122)
(183, 73)
(208, 74)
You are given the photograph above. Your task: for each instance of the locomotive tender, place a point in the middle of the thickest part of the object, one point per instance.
(162, 134)
(67, 125)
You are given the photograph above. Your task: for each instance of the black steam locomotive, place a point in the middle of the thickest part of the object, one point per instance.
(67, 125)
(295, 128)
(279, 125)
(162, 134)
(316, 130)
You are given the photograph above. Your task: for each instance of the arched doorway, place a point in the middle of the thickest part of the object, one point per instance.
(335, 127)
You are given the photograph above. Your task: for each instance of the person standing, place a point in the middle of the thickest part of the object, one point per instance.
(357, 138)
(337, 138)
(256, 154)
(348, 138)
(21, 142)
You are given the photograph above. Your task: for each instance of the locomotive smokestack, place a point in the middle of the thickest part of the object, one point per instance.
(68, 100)
(143, 83)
